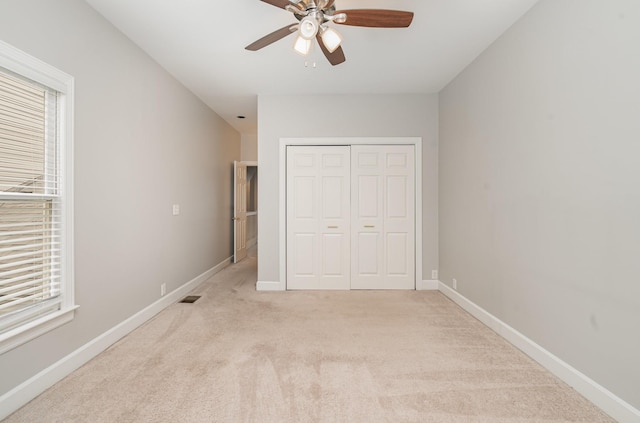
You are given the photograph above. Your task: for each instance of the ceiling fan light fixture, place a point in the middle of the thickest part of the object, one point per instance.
(308, 28)
(302, 46)
(330, 38)
(315, 16)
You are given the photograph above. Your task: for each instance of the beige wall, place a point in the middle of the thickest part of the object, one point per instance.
(142, 143)
(539, 185)
(249, 148)
(344, 116)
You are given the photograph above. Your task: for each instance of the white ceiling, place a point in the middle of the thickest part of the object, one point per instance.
(201, 43)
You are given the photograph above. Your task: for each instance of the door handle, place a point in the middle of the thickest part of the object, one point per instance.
(369, 226)
(332, 227)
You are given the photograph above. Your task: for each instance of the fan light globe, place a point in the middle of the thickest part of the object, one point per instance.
(330, 38)
(308, 28)
(302, 46)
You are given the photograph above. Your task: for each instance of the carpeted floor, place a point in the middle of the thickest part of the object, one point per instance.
(237, 355)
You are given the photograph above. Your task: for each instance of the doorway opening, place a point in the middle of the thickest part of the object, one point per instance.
(245, 208)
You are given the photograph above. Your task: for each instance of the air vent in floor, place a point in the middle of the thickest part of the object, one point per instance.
(190, 299)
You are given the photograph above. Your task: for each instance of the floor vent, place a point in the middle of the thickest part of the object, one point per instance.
(190, 299)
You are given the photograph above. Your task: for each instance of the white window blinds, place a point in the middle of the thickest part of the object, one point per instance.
(30, 204)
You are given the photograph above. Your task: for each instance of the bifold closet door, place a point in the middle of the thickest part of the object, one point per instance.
(382, 217)
(318, 212)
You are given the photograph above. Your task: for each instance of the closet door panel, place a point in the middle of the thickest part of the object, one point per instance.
(350, 217)
(318, 208)
(368, 197)
(367, 245)
(369, 253)
(333, 260)
(382, 218)
(396, 254)
(399, 217)
(304, 254)
(396, 197)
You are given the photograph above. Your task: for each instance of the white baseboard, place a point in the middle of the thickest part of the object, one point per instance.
(600, 396)
(428, 285)
(270, 286)
(31, 388)
(597, 394)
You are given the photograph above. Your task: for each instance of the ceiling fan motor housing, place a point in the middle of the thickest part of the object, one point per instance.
(323, 9)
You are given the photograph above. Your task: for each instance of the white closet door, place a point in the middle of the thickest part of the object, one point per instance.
(318, 211)
(382, 217)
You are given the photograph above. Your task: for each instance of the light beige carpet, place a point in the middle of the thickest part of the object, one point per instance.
(238, 355)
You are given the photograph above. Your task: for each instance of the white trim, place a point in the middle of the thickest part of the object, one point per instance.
(600, 396)
(268, 286)
(32, 68)
(428, 285)
(31, 388)
(28, 331)
(282, 222)
(66, 113)
(284, 142)
(594, 392)
(35, 69)
(418, 208)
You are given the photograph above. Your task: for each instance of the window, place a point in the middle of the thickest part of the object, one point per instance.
(36, 271)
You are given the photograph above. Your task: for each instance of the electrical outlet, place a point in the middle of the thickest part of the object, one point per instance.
(163, 289)
(176, 209)
(454, 283)
(434, 275)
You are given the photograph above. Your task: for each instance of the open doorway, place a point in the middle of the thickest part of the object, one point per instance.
(245, 208)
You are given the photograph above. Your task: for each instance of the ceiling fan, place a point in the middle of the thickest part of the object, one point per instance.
(314, 16)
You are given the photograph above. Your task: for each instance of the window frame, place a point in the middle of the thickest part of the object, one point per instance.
(27, 66)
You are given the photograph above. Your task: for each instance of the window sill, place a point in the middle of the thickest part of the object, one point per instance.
(25, 333)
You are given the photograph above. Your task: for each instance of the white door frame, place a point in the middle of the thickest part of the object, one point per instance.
(284, 142)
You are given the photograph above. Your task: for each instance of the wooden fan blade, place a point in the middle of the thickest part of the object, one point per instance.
(377, 18)
(334, 58)
(271, 38)
(279, 3)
